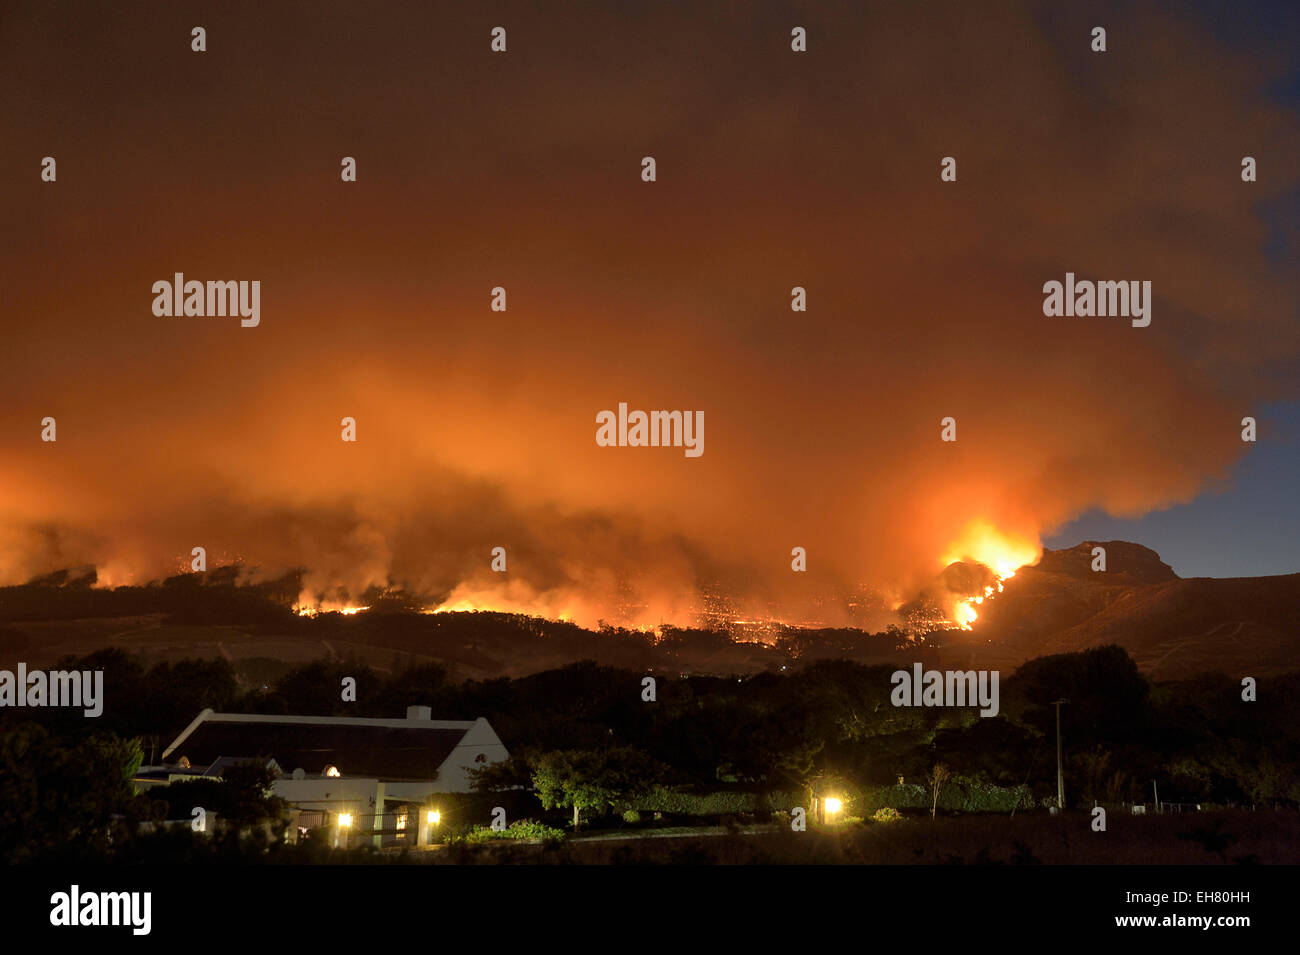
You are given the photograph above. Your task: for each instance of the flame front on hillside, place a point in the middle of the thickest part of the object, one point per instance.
(1001, 553)
(311, 611)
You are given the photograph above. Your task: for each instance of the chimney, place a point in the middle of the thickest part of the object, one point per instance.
(419, 713)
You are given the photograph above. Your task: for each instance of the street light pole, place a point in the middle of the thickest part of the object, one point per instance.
(1060, 775)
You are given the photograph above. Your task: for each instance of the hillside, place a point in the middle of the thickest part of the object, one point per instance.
(1173, 627)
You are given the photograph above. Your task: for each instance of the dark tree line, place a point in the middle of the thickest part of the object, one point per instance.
(1198, 738)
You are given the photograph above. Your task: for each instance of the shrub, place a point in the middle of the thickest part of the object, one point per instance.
(885, 814)
(521, 830)
(530, 830)
(959, 794)
(911, 796)
(726, 803)
(632, 817)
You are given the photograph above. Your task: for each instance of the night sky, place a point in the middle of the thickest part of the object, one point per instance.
(522, 170)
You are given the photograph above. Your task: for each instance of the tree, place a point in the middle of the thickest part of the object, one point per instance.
(425, 685)
(1099, 779)
(516, 772)
(1109, 697)
(937, 776)
(243, 799)
(64, 797)
(315, 689)
(597, 781)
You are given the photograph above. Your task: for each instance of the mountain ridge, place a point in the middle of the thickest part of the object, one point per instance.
(1172, 626)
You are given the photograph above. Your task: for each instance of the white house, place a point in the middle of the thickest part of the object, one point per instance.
(363, 776)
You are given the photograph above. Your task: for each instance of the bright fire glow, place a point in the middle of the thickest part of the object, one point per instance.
(965, 615)
(311, 611)
(1004, 554)
(561, 604)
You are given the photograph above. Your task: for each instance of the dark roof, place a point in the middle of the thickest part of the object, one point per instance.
(385, 752)
(164, 773)
(225, 762)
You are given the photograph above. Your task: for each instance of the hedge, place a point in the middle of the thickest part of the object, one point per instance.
(958, 795)
(683, 803)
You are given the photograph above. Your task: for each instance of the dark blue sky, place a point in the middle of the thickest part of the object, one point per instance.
(1249, 528)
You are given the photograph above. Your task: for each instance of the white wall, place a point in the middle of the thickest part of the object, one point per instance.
(453, 774)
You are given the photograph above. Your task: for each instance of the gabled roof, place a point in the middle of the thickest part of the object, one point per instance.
(380, 748)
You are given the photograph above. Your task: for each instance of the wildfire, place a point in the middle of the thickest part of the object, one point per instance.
(514, 598)
(469, 606)
(562, 603)
(1001, 553)
(459, 606)
(311, 611)
(965, 613)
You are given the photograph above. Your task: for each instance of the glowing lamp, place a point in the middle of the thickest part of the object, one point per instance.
(833, 805)
(345, 819)
(434, 817)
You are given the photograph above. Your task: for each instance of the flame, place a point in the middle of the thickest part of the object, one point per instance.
(1002, 553)
(303, 610)
(561, 603)
(118, 574)
(964, 615)
(516, 599)
(463, 605)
